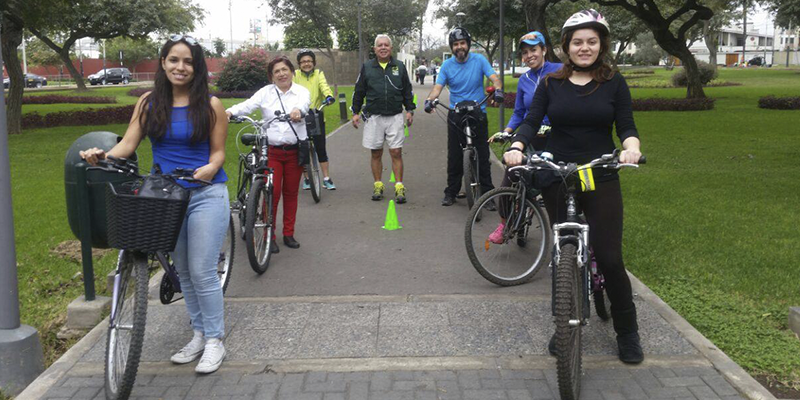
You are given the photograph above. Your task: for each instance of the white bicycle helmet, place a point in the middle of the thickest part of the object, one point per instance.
(585, 19)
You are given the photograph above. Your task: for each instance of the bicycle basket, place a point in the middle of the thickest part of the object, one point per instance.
(142, 223)
(313, 123)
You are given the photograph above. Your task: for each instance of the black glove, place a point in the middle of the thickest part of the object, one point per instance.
(329, 100)
(428, 106)
(498, 96)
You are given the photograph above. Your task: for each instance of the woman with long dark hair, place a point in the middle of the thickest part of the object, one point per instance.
(292, 98)
(187, 129)
(584, 101)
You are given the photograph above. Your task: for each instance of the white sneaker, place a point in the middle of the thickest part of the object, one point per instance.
(212, 358)
(191, 351)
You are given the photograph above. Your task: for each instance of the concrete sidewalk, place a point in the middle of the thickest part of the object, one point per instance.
(362, 313)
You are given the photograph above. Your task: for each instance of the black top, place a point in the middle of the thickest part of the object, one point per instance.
(582, 118)
(387, 91)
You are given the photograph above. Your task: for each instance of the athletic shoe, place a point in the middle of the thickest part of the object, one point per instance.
(490, 206)
(306, 184)
(213, 354)
(377, 191)
(399, 193)
(448, 201)
(630, 349)
(191, 351)
(328, 183)
(497, 236)
(551, 346)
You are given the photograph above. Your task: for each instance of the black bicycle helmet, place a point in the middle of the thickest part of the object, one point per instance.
(306, 52)
(459, 33)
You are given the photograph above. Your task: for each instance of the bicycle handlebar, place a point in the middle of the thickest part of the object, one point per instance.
(435, 102)
(128, 167)
(609, 161)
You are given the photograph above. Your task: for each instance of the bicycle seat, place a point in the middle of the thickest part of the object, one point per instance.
(248, 139)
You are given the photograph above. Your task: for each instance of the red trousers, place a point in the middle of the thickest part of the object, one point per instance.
(286, 180)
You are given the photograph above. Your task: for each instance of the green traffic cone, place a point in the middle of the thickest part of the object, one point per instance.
(405, 130)
(391, 178)
(391, 223)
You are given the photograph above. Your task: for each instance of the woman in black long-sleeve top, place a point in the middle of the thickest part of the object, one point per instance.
(584, 101)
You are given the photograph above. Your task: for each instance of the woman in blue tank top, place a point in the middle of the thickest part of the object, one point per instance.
(187, 129)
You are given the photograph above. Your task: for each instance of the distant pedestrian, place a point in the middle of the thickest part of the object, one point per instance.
(422, 71)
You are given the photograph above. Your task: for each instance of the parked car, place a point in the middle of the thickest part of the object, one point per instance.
(31, 80)
(756, 61)
(110, 75)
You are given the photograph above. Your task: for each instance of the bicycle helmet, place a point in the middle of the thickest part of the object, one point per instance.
(586, 19)
(306, 52)
(459, 33)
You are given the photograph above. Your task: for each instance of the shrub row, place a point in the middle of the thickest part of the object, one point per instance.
(237, 94)
(95, 116)
(661, 104)
(639, 72)
(707, 71)
(649, 84)
(509, 100)
(56, 99)
(779, 103)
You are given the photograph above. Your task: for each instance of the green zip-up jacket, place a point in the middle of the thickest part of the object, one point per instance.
(386, 91)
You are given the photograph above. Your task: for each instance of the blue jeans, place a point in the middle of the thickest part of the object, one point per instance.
(196, 255)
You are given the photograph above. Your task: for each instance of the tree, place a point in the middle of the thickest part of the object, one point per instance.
(787, 12)
(40, 55)
(134, 51)
(272, 46)
(624, 28)
(301, 34)
(219, 47)
(648, 52)
(107, 19)
(670, 21)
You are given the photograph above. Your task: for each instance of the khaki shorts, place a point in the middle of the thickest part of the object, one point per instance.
(384, 128)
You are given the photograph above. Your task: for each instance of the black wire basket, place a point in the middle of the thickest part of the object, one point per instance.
(141, 223)
(313, 123)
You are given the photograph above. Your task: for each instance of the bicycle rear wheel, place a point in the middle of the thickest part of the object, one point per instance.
(313, 170)
(126, 325)
(568, 301)
(471, 186)
(258, 232)
(523, 250)
(225, 262)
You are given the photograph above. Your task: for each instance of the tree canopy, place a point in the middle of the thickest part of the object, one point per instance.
(133, 50)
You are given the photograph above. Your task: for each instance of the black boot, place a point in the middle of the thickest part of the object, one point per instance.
(630, 348)
(551, 345)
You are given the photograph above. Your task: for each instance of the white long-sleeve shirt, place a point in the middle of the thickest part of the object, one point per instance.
(267, 99)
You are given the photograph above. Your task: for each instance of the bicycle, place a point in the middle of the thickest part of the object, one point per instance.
(314, 128)
(471, 169)
(526, 238)
(141, 248)
(572, 280)
(254, 194)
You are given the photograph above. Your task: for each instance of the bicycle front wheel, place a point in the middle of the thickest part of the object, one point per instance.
(126, 324)
(313, 170)
(225, 261)
(471, 186)
(258, 232)
(568, 300)
(521, 251)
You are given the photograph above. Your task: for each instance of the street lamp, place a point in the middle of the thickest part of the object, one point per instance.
(360, 46)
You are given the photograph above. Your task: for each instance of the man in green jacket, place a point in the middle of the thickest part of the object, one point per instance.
(314, 80)
(385, 83)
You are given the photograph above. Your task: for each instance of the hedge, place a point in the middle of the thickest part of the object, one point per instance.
(102, 116)
(57, 99)
(779, 103)
(239, 94)
(662, 104)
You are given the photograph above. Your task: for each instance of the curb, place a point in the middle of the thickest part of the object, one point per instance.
(733, 373)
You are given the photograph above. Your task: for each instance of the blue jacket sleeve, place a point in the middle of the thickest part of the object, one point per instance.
(519, 109)
(533, 121)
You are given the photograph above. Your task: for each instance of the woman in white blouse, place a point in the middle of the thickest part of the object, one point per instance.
(287, 97)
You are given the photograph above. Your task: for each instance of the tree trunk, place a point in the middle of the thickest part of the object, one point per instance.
(329, 53)
(12, 38)
(694, 89)
(622, 46)
(711, 38)
(534, 18)
(63, 52)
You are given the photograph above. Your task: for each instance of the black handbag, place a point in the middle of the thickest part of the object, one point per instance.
(162, 187)
(303, 146)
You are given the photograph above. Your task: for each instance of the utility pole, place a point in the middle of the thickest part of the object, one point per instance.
(105, 73)
(788, 48)
(24, 57)
(744, 42)
(230, 17)
(502, 67)
(21, 359)
(360, 45)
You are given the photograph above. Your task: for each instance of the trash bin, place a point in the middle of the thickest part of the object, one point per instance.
(96, 183)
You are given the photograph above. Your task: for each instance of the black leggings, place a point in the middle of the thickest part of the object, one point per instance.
(319, 142)
(603, 210)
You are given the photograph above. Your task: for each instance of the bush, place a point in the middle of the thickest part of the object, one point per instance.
(246, 69)
(707, 74)
(509, 100)
(660, 104)
(138, 92)
(103, 116)
(56, 99)
(238, 94)
(779, 103)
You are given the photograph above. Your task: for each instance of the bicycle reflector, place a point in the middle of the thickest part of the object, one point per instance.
(587, 180)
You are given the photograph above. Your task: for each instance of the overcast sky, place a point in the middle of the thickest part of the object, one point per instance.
(218, 21)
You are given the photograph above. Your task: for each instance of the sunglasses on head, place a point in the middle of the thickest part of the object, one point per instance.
(187, 39)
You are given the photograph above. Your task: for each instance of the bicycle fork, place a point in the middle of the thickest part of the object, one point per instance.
(474, 161)
(577, 234)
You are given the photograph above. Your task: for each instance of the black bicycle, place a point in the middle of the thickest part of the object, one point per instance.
(145, 229)
(472, 167)
(573, 281)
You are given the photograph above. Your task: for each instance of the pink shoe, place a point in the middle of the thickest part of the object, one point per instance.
(497, 236)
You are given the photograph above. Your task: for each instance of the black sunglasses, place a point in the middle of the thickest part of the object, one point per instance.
(187, 39)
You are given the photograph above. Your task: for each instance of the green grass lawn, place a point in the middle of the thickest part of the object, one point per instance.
(711, 221)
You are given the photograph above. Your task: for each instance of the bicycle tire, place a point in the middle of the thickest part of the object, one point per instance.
(313, 171)
(259, 209)
(486, 256)
(122, 359)
(568, 306)
(471, 186)
(600, 305)
(242, 200)
(225, 261)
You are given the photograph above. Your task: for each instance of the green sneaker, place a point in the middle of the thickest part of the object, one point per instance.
(400, 193)
(377, 191)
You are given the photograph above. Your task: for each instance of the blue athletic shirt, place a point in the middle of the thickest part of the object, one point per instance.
(176, 150)
(526, 87)
(465, 80)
